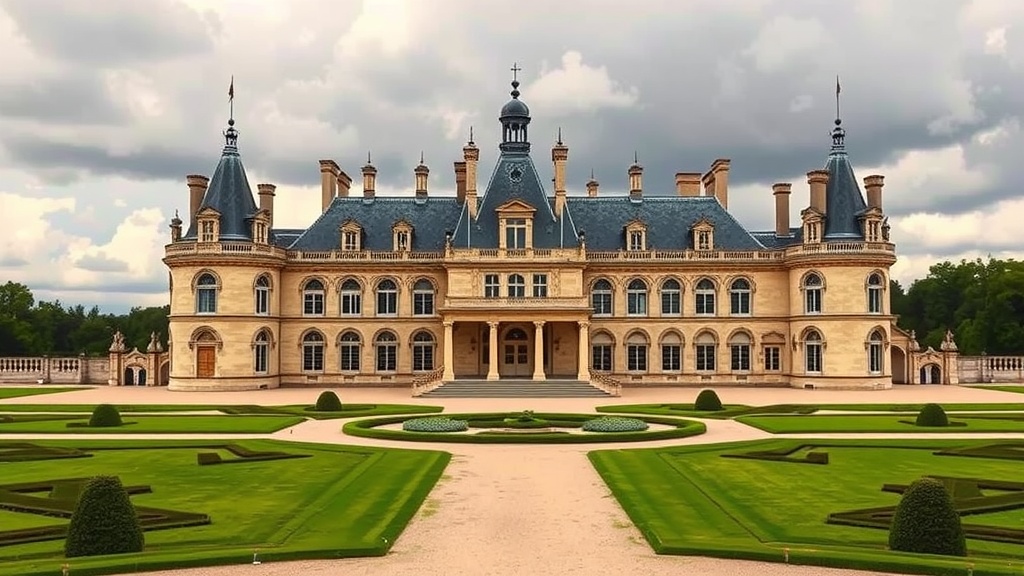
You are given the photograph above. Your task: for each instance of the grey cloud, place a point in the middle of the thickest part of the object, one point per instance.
(73, 98)
(13, 262)
(101, 264)
(113, 32)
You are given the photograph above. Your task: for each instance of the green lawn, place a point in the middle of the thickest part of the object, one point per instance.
(156, 424)
(804, 424)
(348, 410)
(15, 392)
(339, 501)
(1019, 389)
(692, 501)
(734, 410)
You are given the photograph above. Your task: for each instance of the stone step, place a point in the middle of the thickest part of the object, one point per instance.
(516, 389)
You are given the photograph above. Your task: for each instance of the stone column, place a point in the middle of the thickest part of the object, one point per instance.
(583, 353)
(492, 368)
(449, 352)
(538, 350)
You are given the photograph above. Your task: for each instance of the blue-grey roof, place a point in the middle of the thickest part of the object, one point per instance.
(843, 198)
(429, 220)
(515, 108)
(229, 194)
(770, 240)
(668, 220)
(514, 178)
(283, 237)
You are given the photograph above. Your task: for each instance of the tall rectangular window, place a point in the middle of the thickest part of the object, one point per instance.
(540, 285)
(671, 358)
(706, 357)
(772, 358)
(601, 357)
(492, 286)
(515, 233)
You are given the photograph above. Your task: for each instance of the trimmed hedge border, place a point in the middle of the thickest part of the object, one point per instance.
(368, 428)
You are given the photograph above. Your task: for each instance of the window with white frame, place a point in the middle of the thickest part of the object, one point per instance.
(636, 240)
(601, 298)
(351, 298)
(813, 352)
(492, 286)
(208, 231)
(515, 233)
(386, 352)
(313, 298)
(705, 346)
(262, 295)
(739, 352)
(423, 298)
(704, 295)
(703, 240)
(261, 353)
(387, 298)
(739, 297)
(259, 235)
(601, 352)
(313, 352)
(350, 240)
(516, 286)
(636, 352)
(402, 240)
(813, 288)
(422, 351)
(636, 298)
(540, 285)
(349, 347)
(772, 358)
(671, 352)
(876, 344)
(671, 298)
(875, 291)
(206, 294)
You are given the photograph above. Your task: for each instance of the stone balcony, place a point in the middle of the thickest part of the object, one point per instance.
(480, 303)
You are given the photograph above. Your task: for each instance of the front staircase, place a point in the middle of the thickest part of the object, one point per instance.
(516, 389)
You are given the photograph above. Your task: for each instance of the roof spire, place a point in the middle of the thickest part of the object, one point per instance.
(231, 135)
(838, 133)
(559, 136)
(470, 135)
(421, 156)
(515, 80)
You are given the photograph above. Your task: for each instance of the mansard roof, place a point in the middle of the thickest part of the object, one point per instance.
(229, 194)
(429, 220)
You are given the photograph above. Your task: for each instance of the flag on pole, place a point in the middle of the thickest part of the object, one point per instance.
(837, 85)
(231, 89)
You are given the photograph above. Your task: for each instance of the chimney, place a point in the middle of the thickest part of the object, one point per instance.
(196, 190)
(592, 185)
(873, 184)
(688, 183)
(471, 155)
(266, 192)
(344, 184)
(369, 178)
(422, 172)
(460, 182)
(636, 180)
(559, 156)
(328, 182)
(781, 191)
(818, 180)
(716, 181)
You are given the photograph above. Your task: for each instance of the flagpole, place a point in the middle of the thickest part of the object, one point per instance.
(837, 97)
(231, 98)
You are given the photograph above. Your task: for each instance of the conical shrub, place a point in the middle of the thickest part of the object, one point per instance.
(328, 401)
(104, 522)
(926, 521)
(105, 416)
(708, 401)
(932, 415)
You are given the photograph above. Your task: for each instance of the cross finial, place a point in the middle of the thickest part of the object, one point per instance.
(515, 71)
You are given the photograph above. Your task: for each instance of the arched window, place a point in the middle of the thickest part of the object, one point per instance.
(671, 352)
(313, 298)
(351, 298)
(313, 352)
(813, 352)
(636, 298)
(739, 297)
(262, 295)
(739, 352)
(261, 353)
(423, 298)
(422, 351)
(349, 346)
(875, 291)
(636, 352)
(516, 286)
(386, 345)
(387, 298)
(876, 343)
(671, 298)
(601, 298)
(813, 287)
(706, 345)
(601, 352)
(704, 293)
(206, 294)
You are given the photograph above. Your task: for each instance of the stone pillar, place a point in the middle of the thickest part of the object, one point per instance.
(83, 368)
(583, 353)
(538, 350)
(492, 336)
(449, 352)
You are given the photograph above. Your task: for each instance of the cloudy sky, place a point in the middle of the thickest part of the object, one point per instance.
(106, 105)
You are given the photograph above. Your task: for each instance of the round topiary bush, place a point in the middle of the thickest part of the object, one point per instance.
(328, 401)
(926, 521)
(708, 401)
(105, 416)
(932, 415)
(435, 424)
(104, 522)
(615, 424)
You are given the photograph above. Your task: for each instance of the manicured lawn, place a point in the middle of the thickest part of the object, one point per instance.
(734, 410)
(1019, 389)
(157, 424)
(15, 392)
(348, 410)
(804, 424)
(691, 500)
(338, 501)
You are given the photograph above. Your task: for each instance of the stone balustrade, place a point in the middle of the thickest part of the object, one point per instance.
(996, 369)
(58, 370)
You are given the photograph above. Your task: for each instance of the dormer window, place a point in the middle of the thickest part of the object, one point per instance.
(636, 236)
(209, 225)
(515, 233)
(401, 241)
(703, 235)
(872, 223)
(259, 232)
(402, 236)
(811, 226)
(351, 235)
(515, 220)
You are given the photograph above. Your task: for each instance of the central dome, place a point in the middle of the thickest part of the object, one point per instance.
(515, 107)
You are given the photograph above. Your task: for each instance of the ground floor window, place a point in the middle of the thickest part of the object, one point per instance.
(636, 357)
(601, 357)
(740, 357)
(705, 357)
(313, 352)
(386, 352)
(671, 357)
(422, 352)
(349, 347)
(772, 358)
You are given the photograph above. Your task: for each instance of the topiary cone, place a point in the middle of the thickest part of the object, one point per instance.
(104, 521)
(328, 401)
(105, 416)
(926, 521)
(708, 401)
(932, 415)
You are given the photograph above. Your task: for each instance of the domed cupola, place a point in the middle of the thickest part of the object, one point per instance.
(515, 120)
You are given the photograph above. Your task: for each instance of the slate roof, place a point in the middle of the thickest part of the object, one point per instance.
(770, 240)
(229, 194)
(668, 220)
(283, 237)
(429, 220)
(843, 198)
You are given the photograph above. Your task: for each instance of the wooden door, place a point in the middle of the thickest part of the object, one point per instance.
(206, 361)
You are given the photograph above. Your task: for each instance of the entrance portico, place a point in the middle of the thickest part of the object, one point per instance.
(516, 349)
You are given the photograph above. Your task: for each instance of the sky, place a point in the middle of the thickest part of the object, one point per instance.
(106, 106)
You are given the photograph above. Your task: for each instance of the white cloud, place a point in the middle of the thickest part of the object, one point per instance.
(577, 87)
(784, 38)
(28, 236)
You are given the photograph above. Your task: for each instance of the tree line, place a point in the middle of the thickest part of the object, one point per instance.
(982, 302)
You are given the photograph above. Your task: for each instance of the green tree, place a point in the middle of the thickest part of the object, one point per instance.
(104, 522)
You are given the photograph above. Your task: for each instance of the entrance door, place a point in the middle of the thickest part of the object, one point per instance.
(515, 358)
(206, 361)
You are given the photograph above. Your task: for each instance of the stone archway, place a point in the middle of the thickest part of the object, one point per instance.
(898, 362)
(931, 373)
(129, 376)
(140, 379)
